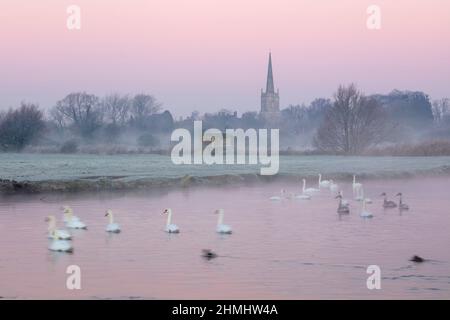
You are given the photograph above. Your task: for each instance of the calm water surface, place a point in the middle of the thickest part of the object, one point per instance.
(288, 250)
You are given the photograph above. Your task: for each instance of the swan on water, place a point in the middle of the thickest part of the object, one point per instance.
(72, 221)
(364, 213)
(280, 197)
(303, 195)
(68, 214)
(59, 245)
(170, 227)
(60, 234)
(342, 208)
(221, 227)
(355, 185)
(344, 201)
(323, 183)
(333, 186)
(401, 205)
(360, 195)
(308, 190)
(112, 226)
(388, 203)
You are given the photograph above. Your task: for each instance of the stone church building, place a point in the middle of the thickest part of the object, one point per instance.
(270, 100)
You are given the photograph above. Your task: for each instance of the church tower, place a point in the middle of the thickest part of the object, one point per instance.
(270, 100)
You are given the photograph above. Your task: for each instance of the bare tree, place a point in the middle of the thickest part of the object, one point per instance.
(116, 108)
(19, 127)
(81, 110)
(352, 124)
(441, 109)
(58, 118)
(144, 105)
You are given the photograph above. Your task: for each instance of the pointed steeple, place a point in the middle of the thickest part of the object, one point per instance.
(270, 86)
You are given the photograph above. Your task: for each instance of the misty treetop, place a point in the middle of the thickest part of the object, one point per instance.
(348, 123)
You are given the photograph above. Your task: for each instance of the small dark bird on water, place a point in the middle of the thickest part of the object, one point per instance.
(417, 259)
(208, 254)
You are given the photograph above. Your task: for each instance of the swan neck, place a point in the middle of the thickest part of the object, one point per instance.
(220, 219)
(169, 217)
(304, 185)
(111, 218)
(51, 225)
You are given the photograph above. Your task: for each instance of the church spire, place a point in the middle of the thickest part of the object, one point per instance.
(270, 86)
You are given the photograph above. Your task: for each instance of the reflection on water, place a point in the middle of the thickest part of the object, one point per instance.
(291, 249)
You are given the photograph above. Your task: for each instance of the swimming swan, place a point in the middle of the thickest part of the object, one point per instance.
(58, 233)
(170, 227)
(342, 208)
(68, 214)
(303, 195)
(364, 213)
(360, 195)
(280, 197)
(112, 226)
(72, 221)
(323, 183)
(308, 190)
(333, 186)
(59, 245)
(221, 227)
(388, 203)
(355, 185)
(401, 205)
(344, 201)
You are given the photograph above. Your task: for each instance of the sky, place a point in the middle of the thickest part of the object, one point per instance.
(206, 55)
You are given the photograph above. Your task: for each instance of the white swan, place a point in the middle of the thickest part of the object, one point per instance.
(59, 245)
(303, 195)
(323, 183)
(170, 227)
(355, 185)
(333, 186)
(280, 197)
(364, 213)
(368, 200)
(68, 214)
(112, 226)
(221, 227)
(72, 221)
(308, 190)
(360, 195)
(343, 201)
(60, 234)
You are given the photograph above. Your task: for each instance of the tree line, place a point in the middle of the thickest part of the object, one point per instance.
(349, 123)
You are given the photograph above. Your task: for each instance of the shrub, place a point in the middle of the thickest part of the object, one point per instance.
(147, 140)
(19, 127)
(70, 146)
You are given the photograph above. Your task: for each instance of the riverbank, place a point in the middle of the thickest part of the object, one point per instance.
(41, 173)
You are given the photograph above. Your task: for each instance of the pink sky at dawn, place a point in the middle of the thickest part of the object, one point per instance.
(210, 54)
